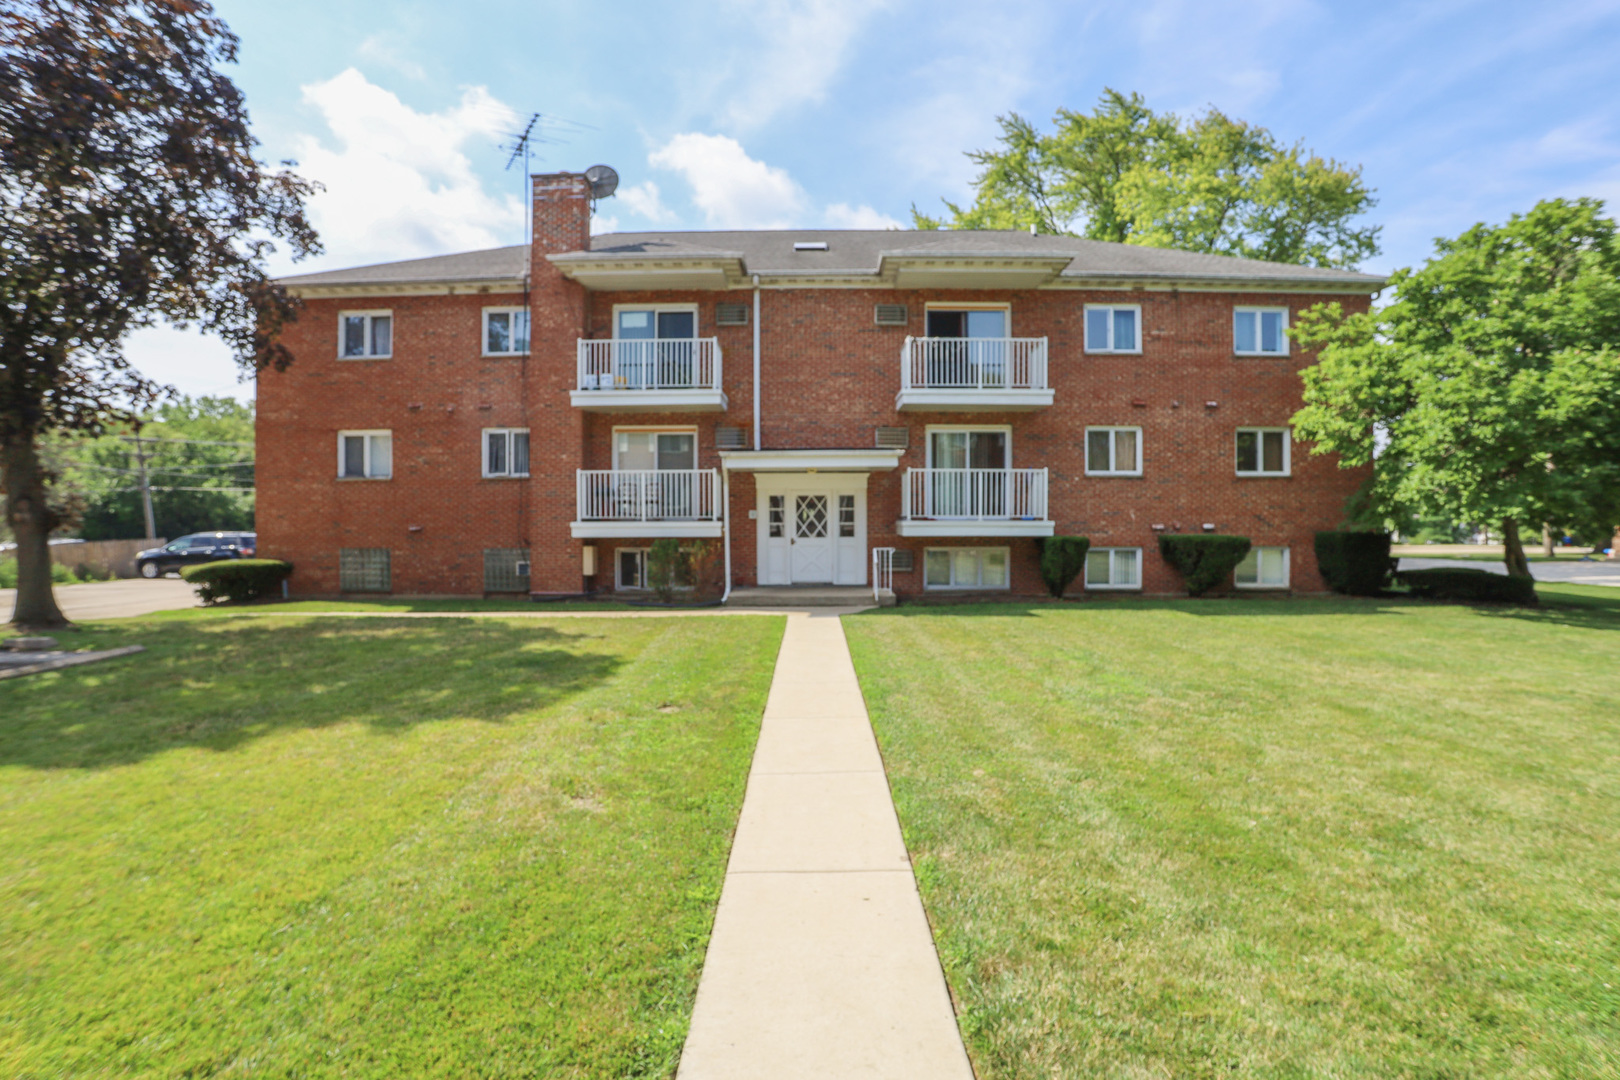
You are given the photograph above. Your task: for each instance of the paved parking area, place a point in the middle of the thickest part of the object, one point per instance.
(114, 599)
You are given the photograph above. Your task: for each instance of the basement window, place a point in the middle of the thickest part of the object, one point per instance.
(965, 568)
(1114, 568)
(1263, 568)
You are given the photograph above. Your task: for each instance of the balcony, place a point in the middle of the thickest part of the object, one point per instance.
(974, 502)
(973, 374)
(662, 502)
(650, 375)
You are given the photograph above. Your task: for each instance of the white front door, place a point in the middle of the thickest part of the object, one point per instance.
(811, 546)
(811, 528)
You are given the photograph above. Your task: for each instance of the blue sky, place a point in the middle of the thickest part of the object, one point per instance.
(842, 113)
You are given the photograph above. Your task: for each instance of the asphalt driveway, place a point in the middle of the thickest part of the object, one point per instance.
(114, 599)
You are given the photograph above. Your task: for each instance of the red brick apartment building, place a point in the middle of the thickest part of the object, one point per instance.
(530, 420)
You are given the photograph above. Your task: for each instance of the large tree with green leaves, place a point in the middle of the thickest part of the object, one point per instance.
(129, 194)
(1209, 183)
(1489, 389)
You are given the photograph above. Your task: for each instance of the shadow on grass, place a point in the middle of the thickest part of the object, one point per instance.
(221, 683)
(1586, 607)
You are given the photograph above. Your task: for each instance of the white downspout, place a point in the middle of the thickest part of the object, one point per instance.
(725, 527)
(756, 362)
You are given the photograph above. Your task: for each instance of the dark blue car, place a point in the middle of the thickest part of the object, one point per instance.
(193, 549)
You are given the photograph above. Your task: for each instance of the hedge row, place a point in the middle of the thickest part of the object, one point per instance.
(1355, 563)
(1205, 560)
(1456, 583)
(239, 580)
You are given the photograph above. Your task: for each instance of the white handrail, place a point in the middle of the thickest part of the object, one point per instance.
(973, 364)
(974, 494)
(650, 364)
(648, 495)
(882, 572)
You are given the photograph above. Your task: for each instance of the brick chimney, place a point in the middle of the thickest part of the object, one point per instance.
(562, 213)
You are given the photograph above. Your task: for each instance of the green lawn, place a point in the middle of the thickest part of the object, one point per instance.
(370, 848)
(1250, 838)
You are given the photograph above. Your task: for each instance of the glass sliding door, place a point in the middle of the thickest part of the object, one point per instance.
(968, 473)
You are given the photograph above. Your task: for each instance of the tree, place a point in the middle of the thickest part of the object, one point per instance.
(1489, 389)
(129, 193)
(198, 454)
(1212, 184)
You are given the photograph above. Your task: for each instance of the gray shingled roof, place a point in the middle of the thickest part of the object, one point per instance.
(856, 251)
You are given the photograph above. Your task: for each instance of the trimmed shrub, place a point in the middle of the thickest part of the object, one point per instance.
(236, 580)
(667, 567)
(1062, 559)
(1204, 560)
(1456, 583)
(1355, 563)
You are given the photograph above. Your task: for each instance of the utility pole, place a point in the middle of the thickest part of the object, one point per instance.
(146, 489)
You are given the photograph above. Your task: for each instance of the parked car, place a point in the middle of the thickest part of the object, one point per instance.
(193, 549)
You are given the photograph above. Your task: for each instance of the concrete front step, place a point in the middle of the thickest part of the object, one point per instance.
(802, 596)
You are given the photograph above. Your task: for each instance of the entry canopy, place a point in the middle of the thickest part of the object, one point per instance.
(799, 461)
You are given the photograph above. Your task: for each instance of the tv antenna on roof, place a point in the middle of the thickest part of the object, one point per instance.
(542, 129)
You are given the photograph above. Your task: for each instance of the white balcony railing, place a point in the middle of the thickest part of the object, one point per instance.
(974, 495)
(649, 495)
(973, 364)
(658, 364)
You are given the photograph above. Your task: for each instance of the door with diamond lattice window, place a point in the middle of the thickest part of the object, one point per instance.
(812, 539)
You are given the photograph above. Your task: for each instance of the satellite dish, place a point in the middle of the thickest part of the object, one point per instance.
(603, 180)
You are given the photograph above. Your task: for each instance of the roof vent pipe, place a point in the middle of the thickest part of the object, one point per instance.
(756, 362)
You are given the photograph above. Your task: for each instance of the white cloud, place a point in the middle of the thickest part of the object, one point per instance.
(798, 48)
(844, 216)
(733, 190)
(399, 182)
(604, 223)
(644, 199)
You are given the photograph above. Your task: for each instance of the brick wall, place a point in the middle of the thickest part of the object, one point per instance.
(830, 376)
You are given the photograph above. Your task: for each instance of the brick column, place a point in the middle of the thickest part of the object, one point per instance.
(562, 222)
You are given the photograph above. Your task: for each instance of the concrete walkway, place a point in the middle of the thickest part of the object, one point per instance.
(821, 963)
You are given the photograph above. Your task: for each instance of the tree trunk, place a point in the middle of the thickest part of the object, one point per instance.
(1614, 546)
(31, 521)
(1513, 549)
(1547, 541)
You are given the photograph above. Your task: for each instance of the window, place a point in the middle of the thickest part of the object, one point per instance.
(366, 335)
(846, 516)
(1113, 451)
(631, 570)
(506, 451)
(658, 323)
(1113, 329)
(968, 448)
(965, 568)
(640, 448)
(1262, 452)
(966, 323)
(1114, 568)
(1263, 568)
(365, 455)
(506, 331)
(1260, 331)
(506, 570)
(777, 515)
(364, 570)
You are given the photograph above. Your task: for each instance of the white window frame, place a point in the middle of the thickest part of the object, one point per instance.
(1086, 582)
(1257, 312)
(1260, 456)
(368, 314)
(1085, 329)
(1287, 568)
(930, 429)
(657, 429)
(697, 319)
(483, 450)
(484, 327)
(953, 587)
(368, 433)
(1112, 449)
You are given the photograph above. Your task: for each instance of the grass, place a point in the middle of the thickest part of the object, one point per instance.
(370, 848)
(1250, 838)
(447, 603)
